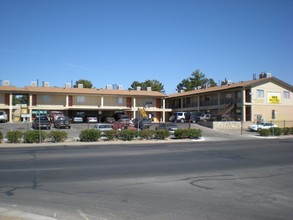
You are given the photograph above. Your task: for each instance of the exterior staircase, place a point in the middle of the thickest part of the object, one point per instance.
(143, 113)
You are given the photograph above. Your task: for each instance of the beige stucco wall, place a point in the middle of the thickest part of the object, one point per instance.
(86, 100)
(263, 106)
(51, 99)
(2, 99)
(112, 101)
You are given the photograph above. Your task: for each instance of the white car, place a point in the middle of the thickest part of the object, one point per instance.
(77, 119)
(103, 127)
(265, 125)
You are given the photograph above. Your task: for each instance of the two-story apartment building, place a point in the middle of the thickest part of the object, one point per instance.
(248, 101)
(22, 103)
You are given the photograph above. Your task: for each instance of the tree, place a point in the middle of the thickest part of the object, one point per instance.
(197, 79)
(84, 82)
(154, 84)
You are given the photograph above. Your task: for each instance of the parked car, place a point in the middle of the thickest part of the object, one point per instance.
(205, 117)
(142, 123)
(123, 124)
(3, 116)
(54, 115)
(108, 119)
(77, 119)
(62, 122)
(92, 119)
(103, 127)
(41, 122)
(178, 117)
(193, 117)
(119, 115)
(171, 127)
(258, 127)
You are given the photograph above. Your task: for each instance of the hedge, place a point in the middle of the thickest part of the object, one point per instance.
(162, 134)
(264, 132)
(146, 134)
(89, 135)
(111, 134)
(58, 136)
(276, 131)
(188, 133)
(14, 136)
(34, 136)
(127, 135)
(1, 137)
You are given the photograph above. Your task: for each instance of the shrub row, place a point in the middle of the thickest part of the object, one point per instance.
(275, 131)
(36, 136)
(91, 135)
(188, 133)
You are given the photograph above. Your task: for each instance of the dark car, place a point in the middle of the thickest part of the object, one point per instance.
(193, 117)
(120, 115)
(142, 123)
(62, 122)
(41, 122)
(171, 127)
(108, 119)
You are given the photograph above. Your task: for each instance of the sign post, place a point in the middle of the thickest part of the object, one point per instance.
(273, 118)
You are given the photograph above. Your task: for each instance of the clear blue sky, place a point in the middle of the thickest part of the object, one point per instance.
(121, 41)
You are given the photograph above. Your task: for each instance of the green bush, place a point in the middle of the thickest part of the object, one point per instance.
(276, 131)
(264, 132)
(34, 136)
(187, 133)
(111, 134)
(89, 135)
(127, 135)
(161, 134)
(146, 134)
(14, 136)
(1, 137)
(286, 131)
(291, 130)
(194, 133)
(58, 136)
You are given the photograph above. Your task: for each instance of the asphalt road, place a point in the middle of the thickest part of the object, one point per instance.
(249, 179)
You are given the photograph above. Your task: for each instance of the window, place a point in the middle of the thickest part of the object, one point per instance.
(260, 93)
(119, 100)
(286, 95)
(46, 98)
(80, 99)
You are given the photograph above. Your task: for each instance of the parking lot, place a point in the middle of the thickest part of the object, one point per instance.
(73, 132)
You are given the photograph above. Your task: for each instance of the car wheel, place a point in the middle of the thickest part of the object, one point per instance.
(182, 120)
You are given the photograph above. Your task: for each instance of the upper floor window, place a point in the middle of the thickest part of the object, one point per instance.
(80, 99)
(119, 100)
(46, 98)
(286, 95)
(260, 93)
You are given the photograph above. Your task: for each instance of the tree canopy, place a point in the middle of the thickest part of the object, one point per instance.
(197, 79)
(84, 82)
(154, 84)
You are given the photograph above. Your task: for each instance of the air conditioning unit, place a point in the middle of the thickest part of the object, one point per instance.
(45, 84)
(138, 88)
(108, 87)
(120, 87)
(80, 86)
(149, 88)
(34, 84)
(68, 85)
(6, 83)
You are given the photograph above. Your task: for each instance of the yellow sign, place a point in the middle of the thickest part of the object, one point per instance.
(274, 98)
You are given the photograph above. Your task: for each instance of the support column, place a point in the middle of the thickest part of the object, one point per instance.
(164, 113)
(102, 101)
(134, 107)
(10, 107)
